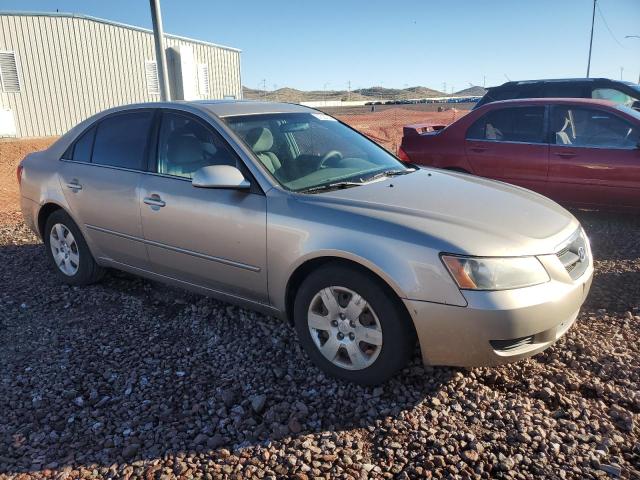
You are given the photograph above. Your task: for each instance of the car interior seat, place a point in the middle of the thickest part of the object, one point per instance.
(185, 155)
(260, 139)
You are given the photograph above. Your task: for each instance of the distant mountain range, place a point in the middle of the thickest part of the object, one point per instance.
(472, 91)
(372, 93)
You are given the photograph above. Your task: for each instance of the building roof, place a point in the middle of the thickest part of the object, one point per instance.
(111, 22)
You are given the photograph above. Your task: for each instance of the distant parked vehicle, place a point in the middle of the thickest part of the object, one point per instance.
(581, 153)
(623, 93)
(284, 209)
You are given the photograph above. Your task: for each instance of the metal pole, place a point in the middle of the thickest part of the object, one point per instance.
(161, 60)
(593, 20)
(634, 36)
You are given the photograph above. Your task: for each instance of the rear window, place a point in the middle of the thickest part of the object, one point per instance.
(84, 145)
(80, 150)
(519, 124)
(121, 140)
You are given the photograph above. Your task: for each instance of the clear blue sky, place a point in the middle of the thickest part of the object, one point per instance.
(306, 44)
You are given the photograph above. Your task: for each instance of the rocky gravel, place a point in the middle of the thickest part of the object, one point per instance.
(134, 379)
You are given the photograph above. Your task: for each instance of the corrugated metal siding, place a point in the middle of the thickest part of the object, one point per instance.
(71, 68)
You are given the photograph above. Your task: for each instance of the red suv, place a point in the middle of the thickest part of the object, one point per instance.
(579, 152)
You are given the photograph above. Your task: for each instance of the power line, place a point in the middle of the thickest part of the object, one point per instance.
(608, 29)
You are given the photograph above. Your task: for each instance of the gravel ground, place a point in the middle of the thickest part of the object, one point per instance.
(133, 379)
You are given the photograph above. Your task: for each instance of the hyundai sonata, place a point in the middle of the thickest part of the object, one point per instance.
(285, 210)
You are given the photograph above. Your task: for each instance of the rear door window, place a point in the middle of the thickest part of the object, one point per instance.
(121, 140)
(564, 91)
(521, 124)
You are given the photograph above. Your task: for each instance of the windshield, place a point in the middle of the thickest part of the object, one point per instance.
(305, 151)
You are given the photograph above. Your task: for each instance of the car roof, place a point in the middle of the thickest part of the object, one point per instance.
(544, 101)
(220, 108)
(228, 108)
(524, 83)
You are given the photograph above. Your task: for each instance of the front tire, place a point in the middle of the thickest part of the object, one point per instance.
(68, 252)
(352, 326)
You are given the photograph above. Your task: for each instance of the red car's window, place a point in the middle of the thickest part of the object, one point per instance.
(518, 124)
(586, 127)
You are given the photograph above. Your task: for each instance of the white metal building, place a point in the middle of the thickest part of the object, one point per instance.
(57, 69)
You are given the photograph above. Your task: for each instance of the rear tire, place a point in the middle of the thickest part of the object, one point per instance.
(68, 251)
(352, 326)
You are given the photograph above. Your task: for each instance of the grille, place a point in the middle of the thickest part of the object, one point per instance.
(511, 344)
(574, 254)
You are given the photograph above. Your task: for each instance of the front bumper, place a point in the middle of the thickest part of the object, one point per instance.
(501, 326)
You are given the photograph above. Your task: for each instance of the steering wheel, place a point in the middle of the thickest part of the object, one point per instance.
(328, 155)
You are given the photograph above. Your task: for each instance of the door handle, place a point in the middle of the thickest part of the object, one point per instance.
(154, 201)
(74, 185)
(478, 149)
(566, 154)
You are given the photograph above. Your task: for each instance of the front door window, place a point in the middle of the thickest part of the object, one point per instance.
(586, 127)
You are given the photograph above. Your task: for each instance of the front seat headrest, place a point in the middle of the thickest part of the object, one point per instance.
(260, 139)
(184, 150)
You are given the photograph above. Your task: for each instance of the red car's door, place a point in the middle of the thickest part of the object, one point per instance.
(510, 144)
(594, 158)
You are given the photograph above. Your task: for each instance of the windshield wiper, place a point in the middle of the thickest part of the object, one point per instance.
(331, 186)
(387, 173)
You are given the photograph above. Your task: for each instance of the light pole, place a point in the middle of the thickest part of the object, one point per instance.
(593, 20)
(634, 36)
(161, 59)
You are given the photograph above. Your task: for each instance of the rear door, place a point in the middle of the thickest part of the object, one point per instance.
(101, 176)
(510, 144)
(594, 158)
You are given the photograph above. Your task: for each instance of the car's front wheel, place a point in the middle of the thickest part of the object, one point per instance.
(352, 326)
(68, 252)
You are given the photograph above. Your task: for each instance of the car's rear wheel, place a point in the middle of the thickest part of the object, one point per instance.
(352, 326)
(68, 252)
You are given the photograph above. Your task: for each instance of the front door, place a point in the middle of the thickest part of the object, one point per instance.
(100, 177)
(509, 144)
(213, 238)
(594, 158)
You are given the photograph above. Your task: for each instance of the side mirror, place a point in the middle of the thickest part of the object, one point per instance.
(220, 176)
(636, 105)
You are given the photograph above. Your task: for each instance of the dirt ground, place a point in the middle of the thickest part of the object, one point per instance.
(420, 107)
(11, 152)
(385, 126)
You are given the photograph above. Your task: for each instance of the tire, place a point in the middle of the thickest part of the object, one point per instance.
(68, 252)
(383, 320)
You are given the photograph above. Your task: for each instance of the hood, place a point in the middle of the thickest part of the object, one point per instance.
(467, 214)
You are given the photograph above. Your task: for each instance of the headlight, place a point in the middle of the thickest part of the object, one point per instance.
(472, 273)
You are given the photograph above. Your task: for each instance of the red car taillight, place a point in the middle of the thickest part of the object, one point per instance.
(19, 174)
(402, 155)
